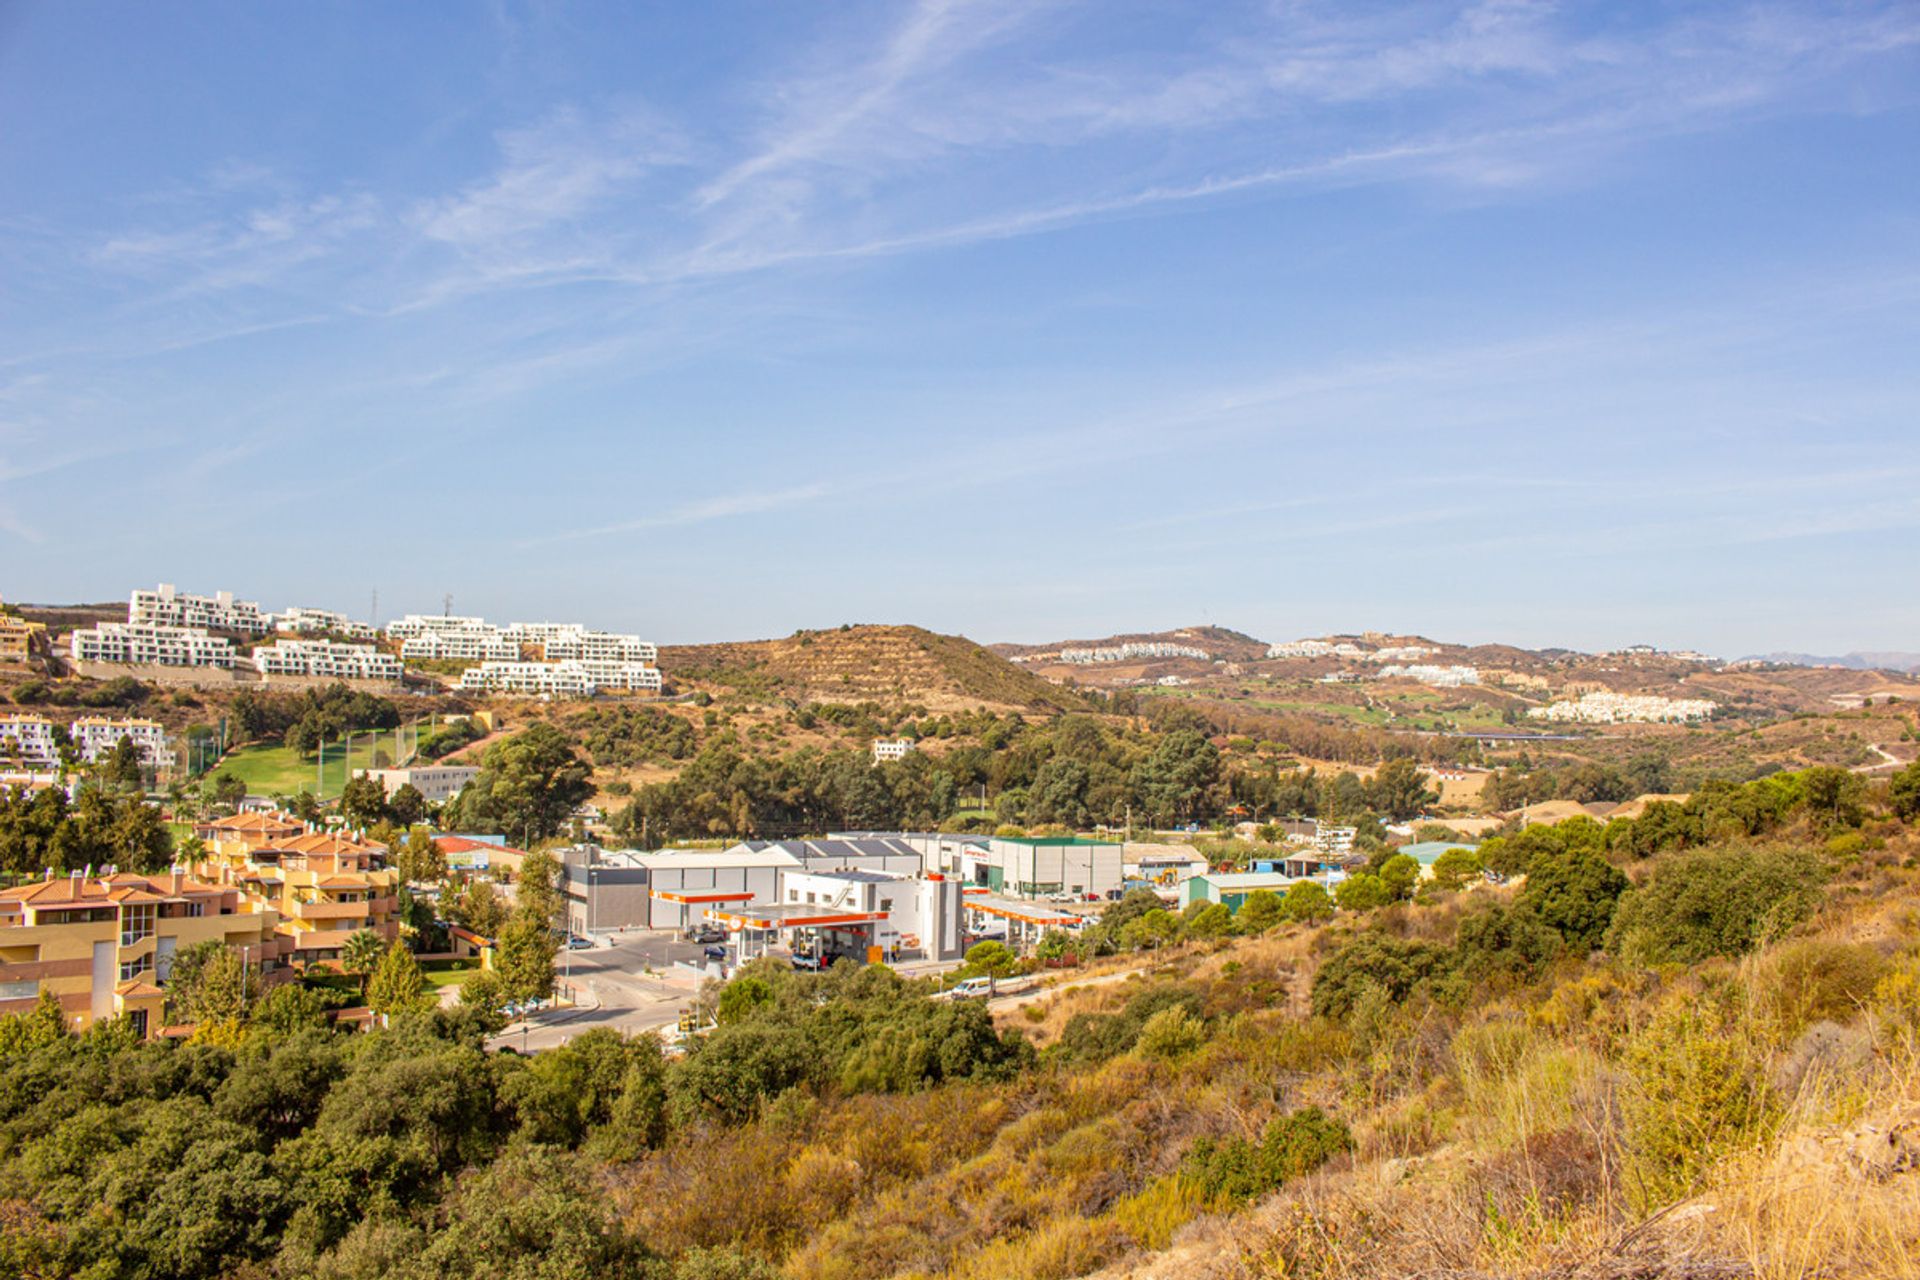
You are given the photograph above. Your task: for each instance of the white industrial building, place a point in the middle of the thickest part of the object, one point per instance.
(145, 642)
(168, 607)
(28, 739)
(325, 658)
(98, 736)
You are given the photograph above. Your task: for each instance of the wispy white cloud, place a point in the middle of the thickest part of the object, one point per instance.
(705, 510)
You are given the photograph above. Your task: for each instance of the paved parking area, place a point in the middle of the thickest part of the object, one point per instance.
(630, 986)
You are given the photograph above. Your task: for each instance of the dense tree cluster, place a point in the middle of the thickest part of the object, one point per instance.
(99, 828)
(305, 719)
(528, 786)
(410, 1151)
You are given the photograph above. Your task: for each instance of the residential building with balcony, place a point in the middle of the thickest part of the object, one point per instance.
(533, 679)
(896, 749)
(477, 644)
(155, 643)
(420, 624)
(303, 621)
(98, 736)
(169, 607)
(16, 638)
(324, 888)
(609, 673)
(29, 740)
(580, 644)
(245, 831)
(104, 946)
(325, 658)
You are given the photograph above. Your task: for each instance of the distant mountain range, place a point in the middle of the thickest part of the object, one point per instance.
(1852, 661)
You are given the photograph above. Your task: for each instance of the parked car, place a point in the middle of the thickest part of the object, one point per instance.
(812, 964)
(577, 943)
(706, 933)
(715, 953)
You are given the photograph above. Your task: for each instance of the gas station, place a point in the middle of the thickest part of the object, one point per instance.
(1026, 921)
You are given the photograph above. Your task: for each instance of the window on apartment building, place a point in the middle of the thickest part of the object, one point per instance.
(886, 904)
(136, 922)
(25, 989)
(131, 969)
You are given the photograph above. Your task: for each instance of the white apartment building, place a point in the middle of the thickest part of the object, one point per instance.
(151, 643)
(437, 783)
(1131, 651)
(475, 644)
(596, 646)
(169, 607)
(29, 739)
(1301, 649)
(325, 658)
(609, 673)
(420, 624)
(897, 749)
(98, 736)
(1625, 708)
(542, 679)
(303, 621)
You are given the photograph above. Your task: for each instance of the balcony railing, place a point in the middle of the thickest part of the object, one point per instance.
(330, 910)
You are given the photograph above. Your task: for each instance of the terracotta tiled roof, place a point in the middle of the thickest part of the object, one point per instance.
(124, 887)
(135, 988)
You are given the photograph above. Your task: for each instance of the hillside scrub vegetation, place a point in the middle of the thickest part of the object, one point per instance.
(1704, 1061)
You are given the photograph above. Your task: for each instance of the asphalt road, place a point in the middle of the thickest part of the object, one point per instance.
(630, 987)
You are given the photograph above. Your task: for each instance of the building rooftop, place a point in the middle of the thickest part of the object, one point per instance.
(859, 875)
(1429, 851)
(1250, 879)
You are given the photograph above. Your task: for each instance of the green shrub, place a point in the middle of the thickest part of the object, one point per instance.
(1701, 1093)
(1238, 1170)
(1374, 959)
(1714, 902)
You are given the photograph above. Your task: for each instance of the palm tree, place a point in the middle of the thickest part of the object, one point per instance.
(360, 953)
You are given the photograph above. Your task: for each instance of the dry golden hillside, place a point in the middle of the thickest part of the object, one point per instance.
(901, 663)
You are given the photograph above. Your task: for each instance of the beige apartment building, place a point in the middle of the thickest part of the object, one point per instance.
(323, 887)
(103, 946)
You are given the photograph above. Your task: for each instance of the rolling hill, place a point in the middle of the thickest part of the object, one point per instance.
(852, 663)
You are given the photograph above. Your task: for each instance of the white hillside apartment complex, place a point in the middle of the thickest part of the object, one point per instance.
(1131, 651)
(571, 642)
(571, 679)
(169, 607)
(97, 736)
(307, 622)
(145, 642)
(1602, 707)
(326, 658)
(28, 740)
(897, 749)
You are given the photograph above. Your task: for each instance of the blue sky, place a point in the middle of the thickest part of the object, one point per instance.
(1548, 324)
